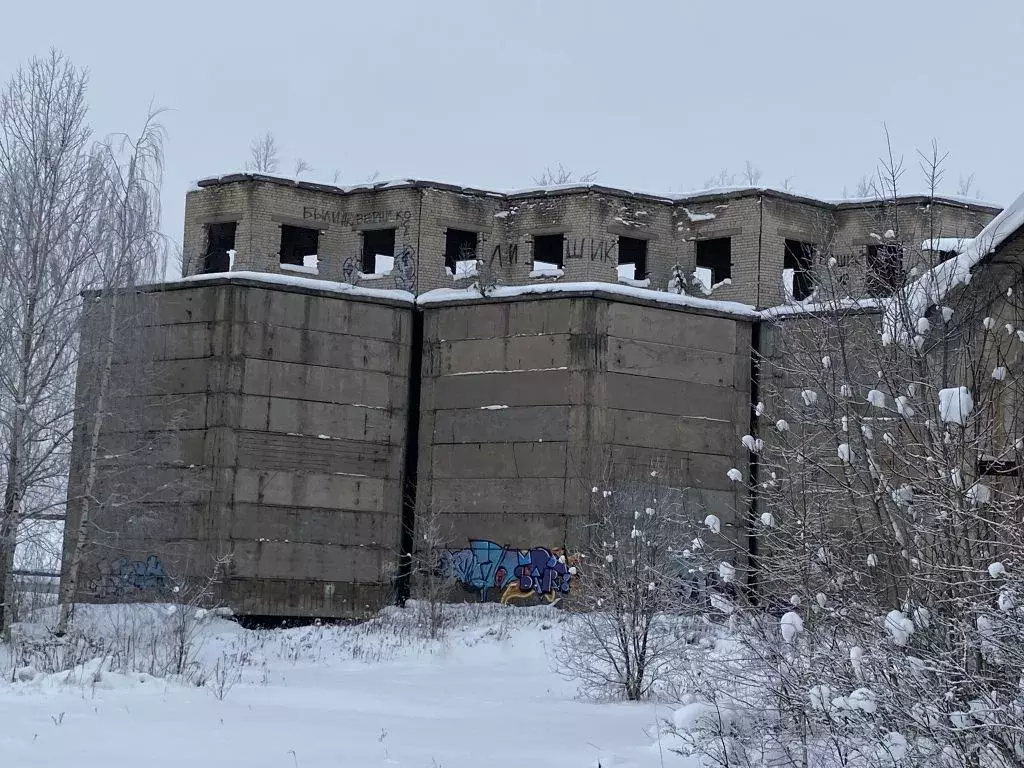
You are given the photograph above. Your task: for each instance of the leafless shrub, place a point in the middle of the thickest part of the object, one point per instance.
(225, 675)
(623, 639)
(433, 584)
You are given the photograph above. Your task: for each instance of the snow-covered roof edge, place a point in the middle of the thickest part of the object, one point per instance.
(912, 302)
(667, 198)
(312, 284)
(450, 295)
(840, 305)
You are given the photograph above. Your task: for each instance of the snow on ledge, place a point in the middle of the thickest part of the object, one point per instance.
(294, 281)
(555, 272)
(645, 283)
(303, 268)
(445, 295)
(695, 217)
(810, 308)
(946, 244)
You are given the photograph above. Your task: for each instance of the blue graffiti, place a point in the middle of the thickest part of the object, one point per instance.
(123, 575)
(507, 574)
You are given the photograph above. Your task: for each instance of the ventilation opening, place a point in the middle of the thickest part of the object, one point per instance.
(299, 246)
(378, 251)
(714, 262)
(460, 252)
(220, 238)
(884, 269)
(797, 265)
(632, 258)
(548, 252)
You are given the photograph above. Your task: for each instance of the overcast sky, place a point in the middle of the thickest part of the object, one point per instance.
(654, 96)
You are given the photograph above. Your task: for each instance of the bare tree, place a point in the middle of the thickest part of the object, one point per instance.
(301, 167)
(866, 187)
(50, 181)
(884, 629)
(561, 175)
(263, 155)
(723, 179)
(965, 185)
(751, 174)
(131, 251)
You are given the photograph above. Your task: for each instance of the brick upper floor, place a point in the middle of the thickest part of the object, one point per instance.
(759, 246)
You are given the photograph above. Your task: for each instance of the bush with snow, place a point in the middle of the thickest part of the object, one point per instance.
(876, 398)
(955, 405)
(636, 574)
(888, 597)
(791, 625)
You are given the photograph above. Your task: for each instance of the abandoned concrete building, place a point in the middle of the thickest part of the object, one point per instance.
(336, 361)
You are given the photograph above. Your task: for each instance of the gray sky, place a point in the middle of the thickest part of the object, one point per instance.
(655, 96)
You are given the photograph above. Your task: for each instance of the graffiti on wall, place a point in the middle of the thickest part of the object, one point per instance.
(405, 268)
(124, 576)
(505, 574)
(590, 248)
(350, 270)
(505, 254)
(397, 216)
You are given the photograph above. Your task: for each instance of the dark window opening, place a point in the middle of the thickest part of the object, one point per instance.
(799, 257)
(885, 269)
(220, 238)
(459, 245)
(946, 255)
(715, 256)
(998, 467)
(633, 251)
(548, 251)
(297, 243)
(378, 251)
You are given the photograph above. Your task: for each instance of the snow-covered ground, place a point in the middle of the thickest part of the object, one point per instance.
(375, 694)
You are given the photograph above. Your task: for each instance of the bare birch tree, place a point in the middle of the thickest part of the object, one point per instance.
(131, 251)
(50, 180)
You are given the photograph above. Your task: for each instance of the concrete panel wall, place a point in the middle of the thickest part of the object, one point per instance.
(269, 426)
(527, 404)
